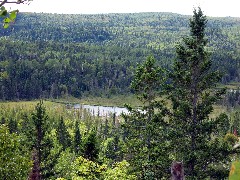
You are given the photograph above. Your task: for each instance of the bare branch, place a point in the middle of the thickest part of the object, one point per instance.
(14, 2)
(2, 2)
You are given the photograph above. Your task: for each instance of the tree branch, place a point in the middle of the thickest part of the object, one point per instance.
(3, 2)
(7, 2)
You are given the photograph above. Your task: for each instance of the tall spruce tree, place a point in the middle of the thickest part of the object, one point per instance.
(194, 134)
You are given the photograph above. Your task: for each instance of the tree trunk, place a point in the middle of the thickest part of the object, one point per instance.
(177, 171)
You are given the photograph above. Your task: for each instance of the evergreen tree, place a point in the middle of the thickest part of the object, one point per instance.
(91, 146)
(113, 149)
(39, 119)
(144, 130)
(43, 143)
(77, 139)
(12, 126)
(106, 129)
(63, 135)
(194, 134)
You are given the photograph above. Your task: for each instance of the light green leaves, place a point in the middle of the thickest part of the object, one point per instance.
(9, 17)
(13, 15)
(15, 161)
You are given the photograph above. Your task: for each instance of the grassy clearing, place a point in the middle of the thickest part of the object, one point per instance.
(29, 106)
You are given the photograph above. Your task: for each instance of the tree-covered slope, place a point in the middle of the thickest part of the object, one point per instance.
(51, 54)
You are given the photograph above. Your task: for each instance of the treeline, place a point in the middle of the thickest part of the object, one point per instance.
(48, 55)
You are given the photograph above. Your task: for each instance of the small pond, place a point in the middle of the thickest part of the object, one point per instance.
(102, 110)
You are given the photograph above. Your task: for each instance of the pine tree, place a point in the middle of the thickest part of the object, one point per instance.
(193, 133)
(144, 130)
(91, 146)
(63, 135)
(77, 140)
(39, 119)
(12, 125)
(43, 143)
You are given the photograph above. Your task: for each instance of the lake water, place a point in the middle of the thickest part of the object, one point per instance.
(102, 110)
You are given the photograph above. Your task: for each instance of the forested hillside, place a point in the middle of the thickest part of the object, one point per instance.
(48, 55)
(186, 125)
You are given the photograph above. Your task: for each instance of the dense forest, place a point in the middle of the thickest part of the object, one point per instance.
(177, 66)
(48, 55)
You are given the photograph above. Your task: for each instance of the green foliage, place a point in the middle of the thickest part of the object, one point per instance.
(119, 171)
(77, 143)
(91, 146)
(144, 129)
(194, 136)
(9, 17)
(86, 169)
(148, 80)
(15, 159)
(71, 59)
(81, 169)
(64, 165)
(231, 138)
(111, 150)
(63, 135)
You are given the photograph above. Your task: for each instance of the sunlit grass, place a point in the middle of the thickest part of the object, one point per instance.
(29, 106)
